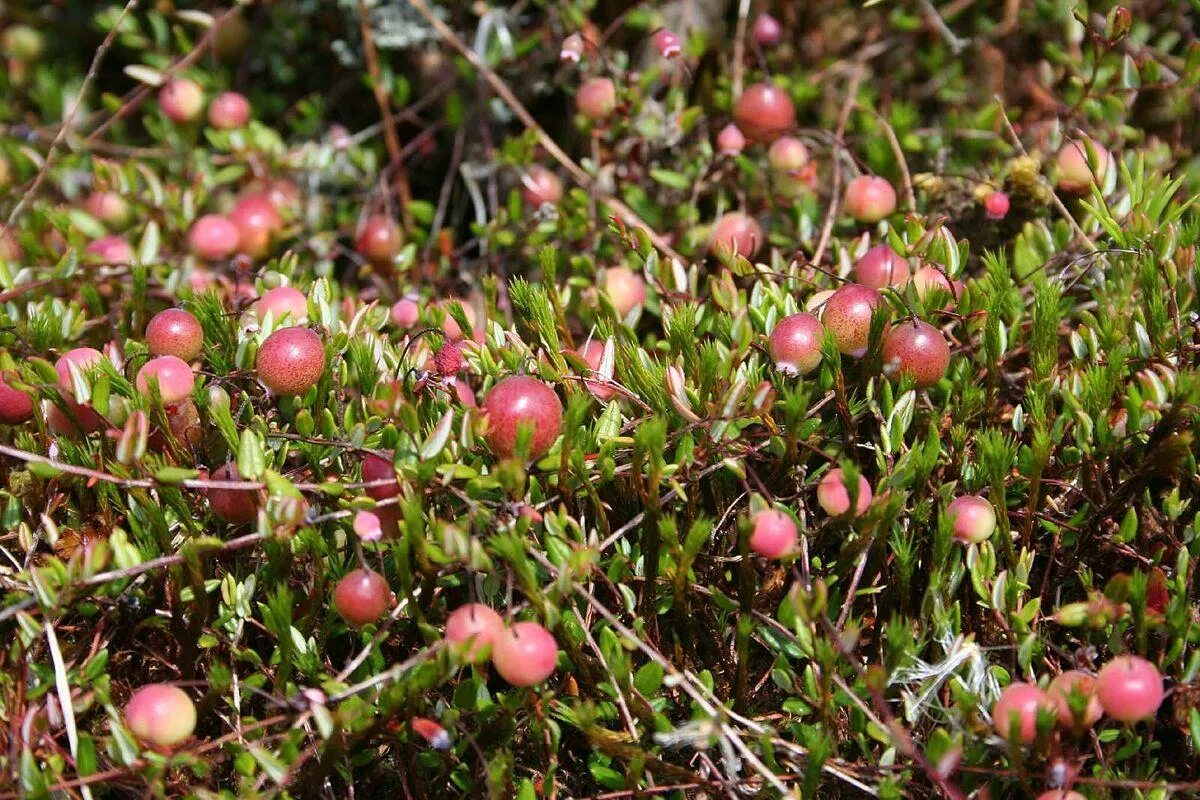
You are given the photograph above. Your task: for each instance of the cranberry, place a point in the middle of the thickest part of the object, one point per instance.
(869, 198)
(520, 401)
(161, 715)
(111, 250)
(477, 625)
(834, 497)
(928, 279)
(1130, 688)
(996, 205)
(540, 186)
(767, 31)
(764, 112)
(283, 302)
(362, 597)
(972, 518)
(291, 361)
(847, 315)
(525, 654)
(175, 332)
(405, 313)
(774, 534)
(787, 155)
(173, 376)
(181, 100)
(917, 349)
(235, 506)
(795, 344)
(625, 288)
(229, 110)
(593, 353)
(256, 220)
(1015, 713)
(1075, 173)
(730, 140)
(108, 207)
(379, 240)
(1066, 685)
(738, 233)
(881, 266)
(213, 237)
(374, 469)
(597, 99)
(16, 407)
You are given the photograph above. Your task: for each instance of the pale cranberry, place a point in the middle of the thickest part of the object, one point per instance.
(917, 349)
(1068, 684)
(84, 359)
(972, 518)
(282, 302)
(597, 99)
(847, 315)
(525, 654)
(787, 155)
(173, 376)
(1075, 172)
(229, 110)
(405, 313)
(730, 140)
(795, 344)
(379, 240)
(111, 250)
(450, 325)
(520, 402)
(161, 715)
(108, 207)
(774, 534)
(213, 237)
(764, 112)
(175, 332)
(881, 266)
(996, 205)
(291, 361)
(593, 353)
(15, 406)
(256, 220)
(667, 43)
(235, 506)
(540, 186)
(375, 469)
(738, 233)
(625, 288)
(362, 597)
(1015, 713)
(181, 100)
(767, 31)
(928, 279)
(834, 497)
(1130, 688)
(869, 198)
(474, 628)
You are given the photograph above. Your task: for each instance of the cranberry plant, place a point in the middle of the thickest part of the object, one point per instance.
(564, 400)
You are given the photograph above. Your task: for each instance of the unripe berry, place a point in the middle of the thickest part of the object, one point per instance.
(834, 497)
(869, 198)
(918, 349)
(767, 31)
(972, 518)
(15, 407)
(736, 232)
(625, 288)
(518, 402)
(374, 469)
(774, 534)
(1015, 713)
(213, 237)
(540, 186)
(787, 155)
(667, 43)
(110, 250)
(235, 506)
(597, 99)
(730, 140)
(996, 205)
(764, 112)
(525, 654)
(108, 207)
(281, 302)
(1064, 686)
(362, 597)
(181, 100)
(86, 418)
(173, 375)
(1075, 173)
(477, 624)
(291, 361)
(405, 313)
(795, 344)
(175, 332)
(229, 110)
(1130, 688)
(256, 220)
(847, 315)
(379, 241)
(160, 715)
(881, 266)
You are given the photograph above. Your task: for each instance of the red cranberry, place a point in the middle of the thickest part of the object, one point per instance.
(1066, 685)
(235, 506)
(540, 186)
(834, 497)
(730, 140)
(774, 534)
(597, 99)
(870, 198)
(229, 110)
(374, 469)
(972, 518)
(881, 266)
(362, 597)
(175, 332)
(736, 232)
(213, 237)
(291, 361)
(996, 205)
(520, 401)
(161, 715)
(379, 241)
(918, 349)
(795, 344)
(525, 654)
(847, 315)
(181, 100)
(1130, 688)
(477, 625)
(767, 31)
(764, 112)
(282, 302)
(15, 407)
(256, 220)
(111, 250)
(1015, 713)
(625, 288)
(173, 376)
(1075, 173)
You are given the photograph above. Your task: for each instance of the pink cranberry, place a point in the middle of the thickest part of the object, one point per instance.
(972, 518)
(84, 359)
(869, 198)
(229, 110)
(405, 313)
(525, 654)
(108, 207)
(291, 361)
(1014, 716)
(767, 31)
(787, 155)
(593, 353)
(173, 376)
(927, 279)
(175, 332)
(764, 112)
(795, 344)
(667, 43)
(111, 250)
(362, 597)
(847, 315)
(736, 233)
(450, 326)
(625, 288)
(1130, 688)
(834, 496)
(996, 205)
(379, 240)
(160, 715)
(730, 140)
(774, 534)
(282, 302)
(540, 186)
(1070, 683)
(256, 220)
(475, 628)
(519, 402)
(375, 469)
(235, 506)
(1075, 173)
(15, 407)
(918, 349)
(213, 237)
(597, 99)
(181, 100)
(881, 266)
